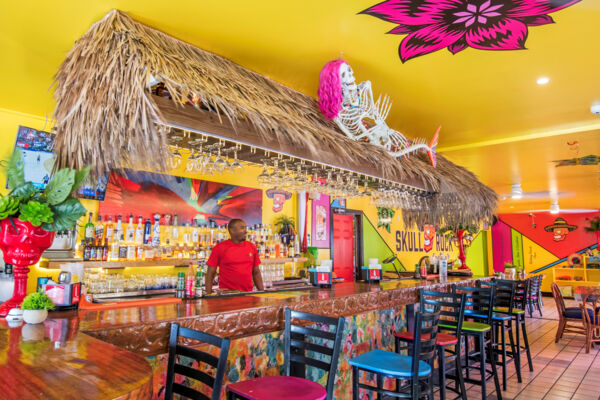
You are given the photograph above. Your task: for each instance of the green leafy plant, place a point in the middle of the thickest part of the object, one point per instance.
(450, 229)
(594, 225)
(37, 301)
(54, 208)
(284, 223)
(509, 265)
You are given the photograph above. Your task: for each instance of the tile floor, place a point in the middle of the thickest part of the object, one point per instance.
(561, 370)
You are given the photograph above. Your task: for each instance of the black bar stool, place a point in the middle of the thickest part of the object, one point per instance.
(415, 370)
(303, 345)
(479, 305)
(173, 367)
(503, 325)
(452, 309)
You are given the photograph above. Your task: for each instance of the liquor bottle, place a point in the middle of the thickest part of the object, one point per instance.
(175, 231)
(122, 250)
(92, 246)
(139, 252)
(195, 234)
(139, 232)
(147, 232)
(110, 230)
(86, 252)
(166, 232)
(131, 251)
(130, 231)
(296, 247)
(156, 231)
(89, 230)
(180, 291)
(99, 231)
(114, 251)
(190, 288)
(168, 249)
(105, 251)
(118, 230)
(199, 281)
(220, 234)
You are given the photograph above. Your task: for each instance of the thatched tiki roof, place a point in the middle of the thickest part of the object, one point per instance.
(107, 117)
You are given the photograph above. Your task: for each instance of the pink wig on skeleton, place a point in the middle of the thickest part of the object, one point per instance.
(330, 89)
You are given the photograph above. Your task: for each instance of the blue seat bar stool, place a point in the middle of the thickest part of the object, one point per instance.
(479, 305)
(303, 346)
(173, 367)
(452, 309)
(502, 324)
(416, 369)
(518, 315)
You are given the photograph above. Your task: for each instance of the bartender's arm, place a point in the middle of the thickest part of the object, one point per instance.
(211, 272)
(257, 278)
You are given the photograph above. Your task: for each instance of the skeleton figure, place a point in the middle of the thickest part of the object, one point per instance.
(352, 108)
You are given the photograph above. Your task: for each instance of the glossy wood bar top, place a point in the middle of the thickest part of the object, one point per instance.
(64, 358)
(144, 330)
(53, 360)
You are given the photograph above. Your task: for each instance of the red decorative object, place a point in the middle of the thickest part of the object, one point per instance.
(461, 248)
(22, 245)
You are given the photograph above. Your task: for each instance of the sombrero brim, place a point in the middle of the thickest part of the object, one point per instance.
(569, 227)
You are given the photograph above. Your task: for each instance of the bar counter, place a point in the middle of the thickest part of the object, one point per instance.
(100, 354)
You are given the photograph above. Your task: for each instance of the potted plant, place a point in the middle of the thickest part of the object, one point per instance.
(30, 217)
(35, 307)
(285, 227)
(594, 228)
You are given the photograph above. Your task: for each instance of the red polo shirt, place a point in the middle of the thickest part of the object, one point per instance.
(235, 263)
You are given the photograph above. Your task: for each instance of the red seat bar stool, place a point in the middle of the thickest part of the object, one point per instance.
(303, 345)
(451, 307)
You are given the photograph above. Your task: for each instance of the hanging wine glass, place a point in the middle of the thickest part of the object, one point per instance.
(236, 165)
(264, 178)
(219, 163)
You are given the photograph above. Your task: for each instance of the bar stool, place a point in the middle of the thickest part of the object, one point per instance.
(534, 296)
(302, 346)
(452, 310)
(175, 349)
(502, 324)
(479, 305)
(518, 315)
(416, 369)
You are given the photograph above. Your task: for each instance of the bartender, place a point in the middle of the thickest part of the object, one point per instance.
(237, 260)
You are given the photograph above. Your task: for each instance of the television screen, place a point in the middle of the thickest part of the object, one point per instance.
(38, 158)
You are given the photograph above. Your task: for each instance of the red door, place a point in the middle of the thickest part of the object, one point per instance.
(343, 246)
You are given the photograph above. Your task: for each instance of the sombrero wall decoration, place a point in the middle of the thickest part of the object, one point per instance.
(560, 229)
(279, 197)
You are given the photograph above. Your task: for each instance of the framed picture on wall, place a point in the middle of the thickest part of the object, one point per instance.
(320, 222)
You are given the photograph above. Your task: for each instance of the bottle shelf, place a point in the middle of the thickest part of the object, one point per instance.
(151, 263)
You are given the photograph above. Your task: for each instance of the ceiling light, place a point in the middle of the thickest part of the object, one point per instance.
(516, 192)
(543, 80)
(554, 209)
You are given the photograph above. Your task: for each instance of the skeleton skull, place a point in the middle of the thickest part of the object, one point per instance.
(347, 77)
(24, 245)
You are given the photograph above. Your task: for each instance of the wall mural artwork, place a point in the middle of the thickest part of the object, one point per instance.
(146, 193)
(560, 229)
(384, 217)
(587, 160)
(432, 25)
(279, 197)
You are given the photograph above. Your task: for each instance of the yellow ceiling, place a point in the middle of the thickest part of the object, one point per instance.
(496, 120)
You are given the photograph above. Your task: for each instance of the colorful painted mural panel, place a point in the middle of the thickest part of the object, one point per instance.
(146, 193)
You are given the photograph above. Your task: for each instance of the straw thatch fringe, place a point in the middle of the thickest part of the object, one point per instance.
(105, 114)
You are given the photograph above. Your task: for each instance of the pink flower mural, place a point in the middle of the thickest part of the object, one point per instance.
(431, 25)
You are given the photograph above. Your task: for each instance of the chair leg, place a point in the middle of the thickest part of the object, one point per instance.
(516, 360)
(559, 329)
(355, 383)
(442, 372)
(490, 348)
(540, 305)
(502, 332)
(526, 342)
(379, 386)
(459, 375)
(482, 367)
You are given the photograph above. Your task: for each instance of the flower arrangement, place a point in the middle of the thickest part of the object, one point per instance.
(37, 301)
(54, 208)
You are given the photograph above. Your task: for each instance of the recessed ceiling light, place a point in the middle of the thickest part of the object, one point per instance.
(554, 208)
(543, 80)
(516, 191)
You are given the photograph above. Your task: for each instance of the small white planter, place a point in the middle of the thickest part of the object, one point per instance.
(35, 316)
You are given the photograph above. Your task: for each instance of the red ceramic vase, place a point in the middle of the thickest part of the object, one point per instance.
(22, 246)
